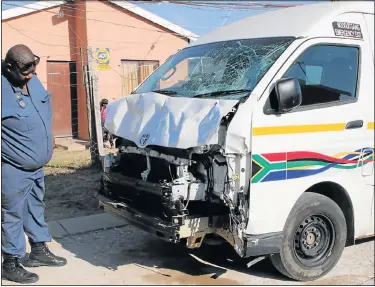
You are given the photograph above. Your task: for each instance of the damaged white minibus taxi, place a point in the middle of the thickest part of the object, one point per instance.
(260, 134)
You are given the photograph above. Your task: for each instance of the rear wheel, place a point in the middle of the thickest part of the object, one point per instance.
(314, 238)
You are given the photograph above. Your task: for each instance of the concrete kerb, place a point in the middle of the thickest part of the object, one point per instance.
(71, 226)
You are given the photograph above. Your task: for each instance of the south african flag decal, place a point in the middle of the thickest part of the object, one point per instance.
(297, 164)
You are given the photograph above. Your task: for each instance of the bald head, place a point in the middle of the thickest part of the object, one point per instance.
(19, 53)
(20, 65)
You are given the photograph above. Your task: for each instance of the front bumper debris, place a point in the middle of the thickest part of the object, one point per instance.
(263, 244)
(165, 230)
(188, 230)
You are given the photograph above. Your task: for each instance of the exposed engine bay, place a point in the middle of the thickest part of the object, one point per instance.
(195, 192)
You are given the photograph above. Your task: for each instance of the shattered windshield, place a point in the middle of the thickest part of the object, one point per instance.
(228, 69)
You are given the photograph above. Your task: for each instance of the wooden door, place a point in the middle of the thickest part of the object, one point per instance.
(59, 85)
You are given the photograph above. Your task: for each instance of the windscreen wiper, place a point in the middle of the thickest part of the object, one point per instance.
(223, 93)
(165, 92)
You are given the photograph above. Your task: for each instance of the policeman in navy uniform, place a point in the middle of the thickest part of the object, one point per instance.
(26, 146)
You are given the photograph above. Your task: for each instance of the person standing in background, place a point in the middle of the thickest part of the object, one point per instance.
(107, 136)
(26, 146)
(103, 110)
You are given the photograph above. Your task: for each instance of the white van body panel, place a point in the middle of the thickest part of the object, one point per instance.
(369, 19)
(272, 201)
(155, 119)
(311, 20)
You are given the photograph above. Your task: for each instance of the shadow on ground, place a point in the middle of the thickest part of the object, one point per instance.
(124, 246)
(71, 192)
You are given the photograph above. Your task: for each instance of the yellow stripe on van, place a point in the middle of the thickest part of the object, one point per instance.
(344, 154)
(370, 125)
(278, 130)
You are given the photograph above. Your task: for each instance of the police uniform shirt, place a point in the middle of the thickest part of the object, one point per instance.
(26, 125)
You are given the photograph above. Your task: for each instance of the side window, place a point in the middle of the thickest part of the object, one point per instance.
(326, 74)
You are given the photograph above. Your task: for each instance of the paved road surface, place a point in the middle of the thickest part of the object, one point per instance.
(128, 256)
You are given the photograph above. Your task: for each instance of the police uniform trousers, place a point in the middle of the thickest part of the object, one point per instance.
(22, 209)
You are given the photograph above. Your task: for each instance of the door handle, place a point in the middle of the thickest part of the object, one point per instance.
(367, 151)
(354, 125)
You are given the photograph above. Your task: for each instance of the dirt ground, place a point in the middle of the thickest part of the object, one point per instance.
(128, 256)
(71, 185)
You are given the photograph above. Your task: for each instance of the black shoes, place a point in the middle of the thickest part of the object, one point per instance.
(40, 255)
(13, 271)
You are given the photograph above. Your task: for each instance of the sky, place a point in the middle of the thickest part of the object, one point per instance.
(203, 20)
(199, 20)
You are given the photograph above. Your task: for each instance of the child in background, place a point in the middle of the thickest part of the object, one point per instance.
(103, 110)
(107, 137)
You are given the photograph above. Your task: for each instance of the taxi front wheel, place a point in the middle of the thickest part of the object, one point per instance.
(314, 238)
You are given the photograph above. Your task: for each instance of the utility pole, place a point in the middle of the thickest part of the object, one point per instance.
(93, 112)
(92, 136)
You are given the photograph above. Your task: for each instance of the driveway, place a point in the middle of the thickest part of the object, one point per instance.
(125, 255)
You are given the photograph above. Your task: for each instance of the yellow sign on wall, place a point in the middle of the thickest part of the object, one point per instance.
(102, 59)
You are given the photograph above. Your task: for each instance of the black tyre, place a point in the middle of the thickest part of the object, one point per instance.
(314, 238)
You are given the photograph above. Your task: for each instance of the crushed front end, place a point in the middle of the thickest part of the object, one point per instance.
(180, 195)
(183, 166)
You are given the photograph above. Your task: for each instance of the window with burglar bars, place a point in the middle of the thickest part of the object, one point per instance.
(134, 73)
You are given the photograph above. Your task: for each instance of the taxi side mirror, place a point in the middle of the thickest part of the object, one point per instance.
(288, 94)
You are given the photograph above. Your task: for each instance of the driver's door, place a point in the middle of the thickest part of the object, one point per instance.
(322, 140)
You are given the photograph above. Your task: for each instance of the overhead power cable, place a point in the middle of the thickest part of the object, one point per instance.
(74, 46)
(107, 22)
